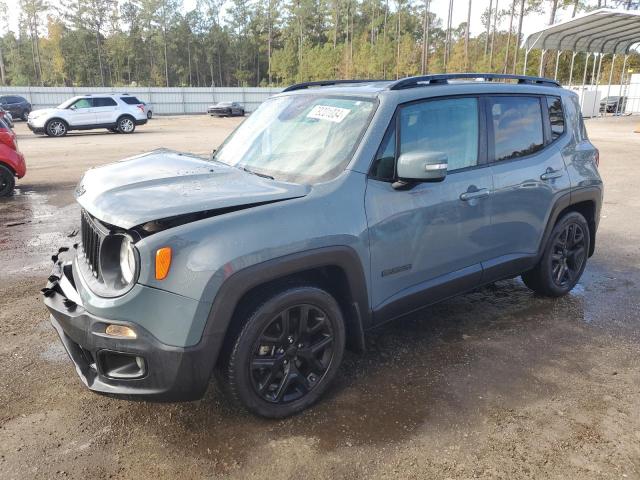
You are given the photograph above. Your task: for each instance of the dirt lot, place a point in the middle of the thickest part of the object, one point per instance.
(495, 384)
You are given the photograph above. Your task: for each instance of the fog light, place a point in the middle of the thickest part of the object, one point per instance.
(120, 331)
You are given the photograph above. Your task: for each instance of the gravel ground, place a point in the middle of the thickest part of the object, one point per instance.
(498, 383)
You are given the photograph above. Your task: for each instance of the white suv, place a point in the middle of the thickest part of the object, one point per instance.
(119, 113)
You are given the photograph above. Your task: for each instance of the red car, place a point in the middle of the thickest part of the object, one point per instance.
(12, 162)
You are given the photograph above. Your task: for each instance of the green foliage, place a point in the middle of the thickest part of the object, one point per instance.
(260, 42)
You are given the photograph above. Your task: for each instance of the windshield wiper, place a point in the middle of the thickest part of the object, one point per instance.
(263, 175)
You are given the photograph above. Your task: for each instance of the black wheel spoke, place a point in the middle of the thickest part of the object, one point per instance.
(292, 354)
(320, 323)
(266, 382)
(315, 365)
(321, 345)
(268, 363)
(285, 325)
(303, 322)
(286, 382)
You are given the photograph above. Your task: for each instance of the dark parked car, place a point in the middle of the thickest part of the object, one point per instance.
(18, 106)
(226, 109)
(6, 117)
(613, 104)
(328, 212)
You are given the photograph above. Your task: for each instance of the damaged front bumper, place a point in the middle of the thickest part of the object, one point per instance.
(140, 367)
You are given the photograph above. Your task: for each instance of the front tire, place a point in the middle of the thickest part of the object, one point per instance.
(149, 115)
(287, 353)
(564, 258)
(56, 128)
(126, 125)
(7, 181)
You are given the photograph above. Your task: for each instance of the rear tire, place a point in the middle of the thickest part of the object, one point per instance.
(56, 128)
(25, 115)
(287, 352)
(149, 115)
(564, 258)
(126, 125)
(7, 181)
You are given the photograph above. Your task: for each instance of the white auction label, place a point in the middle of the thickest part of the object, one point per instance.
(326, 112)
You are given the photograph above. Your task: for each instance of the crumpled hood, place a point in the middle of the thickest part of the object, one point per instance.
(164, 183)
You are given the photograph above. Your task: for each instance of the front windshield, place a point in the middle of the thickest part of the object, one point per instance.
(66, 103)
(298, 138)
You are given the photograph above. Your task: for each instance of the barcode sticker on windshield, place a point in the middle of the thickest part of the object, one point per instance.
(325, 112)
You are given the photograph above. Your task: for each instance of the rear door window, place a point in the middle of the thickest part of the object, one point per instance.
(104, 102)
(517, 126)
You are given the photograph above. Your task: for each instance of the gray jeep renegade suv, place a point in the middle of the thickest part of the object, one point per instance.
(333, 208)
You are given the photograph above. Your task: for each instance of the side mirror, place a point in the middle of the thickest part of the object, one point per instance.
(72, 107)
(422, 166)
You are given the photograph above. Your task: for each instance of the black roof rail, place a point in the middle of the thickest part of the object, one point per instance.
(325, 83)
(443, 78)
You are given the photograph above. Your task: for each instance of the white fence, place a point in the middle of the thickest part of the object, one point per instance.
(631, 91)
(165, 101)
(193, 100)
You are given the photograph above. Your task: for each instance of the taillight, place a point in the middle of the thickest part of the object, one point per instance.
(141, 107)
(8, 139)
(597, 158)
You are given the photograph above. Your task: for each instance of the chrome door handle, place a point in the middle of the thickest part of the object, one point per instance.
(551, 173)
(482, 193)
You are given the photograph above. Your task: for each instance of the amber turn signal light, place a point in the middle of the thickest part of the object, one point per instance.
(120, 331)
(163, 262)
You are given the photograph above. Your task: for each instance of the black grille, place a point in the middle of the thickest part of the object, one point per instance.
(91, 240)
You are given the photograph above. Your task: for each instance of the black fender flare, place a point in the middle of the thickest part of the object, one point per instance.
(241, 282)
(579, 195)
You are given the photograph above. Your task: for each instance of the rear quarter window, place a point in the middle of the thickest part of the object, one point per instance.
(131, 100)
(556, 116)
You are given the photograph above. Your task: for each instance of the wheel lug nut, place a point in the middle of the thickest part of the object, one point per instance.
(300, 345)
(290, 339)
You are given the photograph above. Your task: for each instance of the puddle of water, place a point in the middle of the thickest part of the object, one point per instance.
(32, 229)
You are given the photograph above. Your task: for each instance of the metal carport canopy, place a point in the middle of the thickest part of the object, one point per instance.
(601, 31)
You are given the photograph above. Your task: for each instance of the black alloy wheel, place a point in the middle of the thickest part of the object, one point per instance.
(292, 354)
(287, 352)
(564, 258)
(569, 254)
